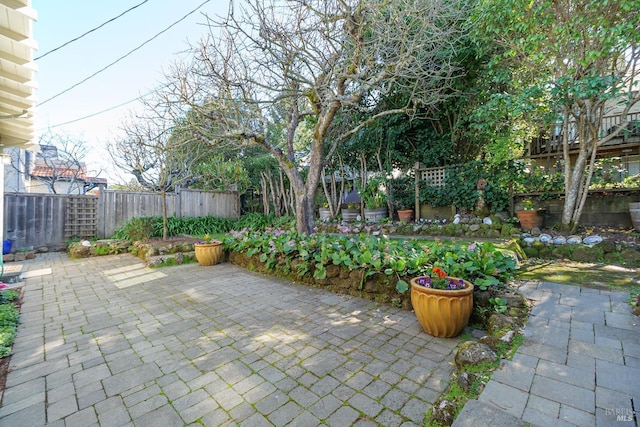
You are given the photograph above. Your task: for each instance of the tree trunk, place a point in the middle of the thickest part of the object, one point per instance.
(265, 195)
(303, 198)
(585, 191)
(573, 191)
(334, 195)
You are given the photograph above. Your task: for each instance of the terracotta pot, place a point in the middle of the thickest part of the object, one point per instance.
(442, 313)
(208, 253)
(405, 215)
(531, 219)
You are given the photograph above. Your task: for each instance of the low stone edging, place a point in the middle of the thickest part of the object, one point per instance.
(21, 255)
(620, 253)
(381, 288)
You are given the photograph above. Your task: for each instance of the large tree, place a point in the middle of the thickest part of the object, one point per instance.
(158, 156)
(579, 58)
(271, 64)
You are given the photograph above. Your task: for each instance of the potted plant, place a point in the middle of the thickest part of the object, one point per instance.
(529, 216)
(208, 252)
(404, 197)
(375, 200)
(324, 212)
(350, 212)
(405, 215)
(442, 304)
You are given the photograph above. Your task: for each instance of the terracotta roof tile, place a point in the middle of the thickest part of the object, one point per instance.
(61, 172)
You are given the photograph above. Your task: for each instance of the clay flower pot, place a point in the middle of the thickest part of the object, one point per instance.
(531, 218)
(442, 313)
(405, 215)
(208, 253)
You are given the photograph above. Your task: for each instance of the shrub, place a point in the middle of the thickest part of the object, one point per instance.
(259, 222)
(144, 228)
(285, 251)
(9, 317)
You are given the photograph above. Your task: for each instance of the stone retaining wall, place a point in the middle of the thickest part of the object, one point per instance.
(378, 287)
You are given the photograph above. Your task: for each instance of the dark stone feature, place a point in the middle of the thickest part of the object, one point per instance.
(443, 412)
(465, 380)
(473, 353)
(499, 322)
(490, 341)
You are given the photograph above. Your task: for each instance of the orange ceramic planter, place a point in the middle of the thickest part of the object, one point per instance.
(531, 219)
(405, 215)
(208, 253)
(442, 313)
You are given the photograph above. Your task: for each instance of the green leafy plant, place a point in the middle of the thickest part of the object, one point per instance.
(144, 228)
(608, 173)
(404, 193)
(8, 295)
(527, 204)
(141, 228)
(279, 250)
(9, 318)
(499, 304)
(372, 194)
(102, 250)
(257, 221)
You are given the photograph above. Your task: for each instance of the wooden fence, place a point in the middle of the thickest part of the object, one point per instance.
(51, 219)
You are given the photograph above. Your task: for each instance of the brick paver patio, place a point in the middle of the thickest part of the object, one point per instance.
(106, 341)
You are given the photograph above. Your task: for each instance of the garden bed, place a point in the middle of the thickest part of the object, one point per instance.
(9, 320)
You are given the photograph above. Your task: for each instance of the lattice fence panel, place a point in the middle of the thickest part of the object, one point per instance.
(81, 218)
(433, 177)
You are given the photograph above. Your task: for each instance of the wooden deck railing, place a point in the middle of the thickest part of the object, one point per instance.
(550, 141)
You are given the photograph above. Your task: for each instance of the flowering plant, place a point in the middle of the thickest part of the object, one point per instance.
(208, 239)
(527, 205)
(439, 280)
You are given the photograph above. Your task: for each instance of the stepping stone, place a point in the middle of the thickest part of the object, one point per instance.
(476, 413)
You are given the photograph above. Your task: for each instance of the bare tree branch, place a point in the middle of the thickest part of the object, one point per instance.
(271, 66)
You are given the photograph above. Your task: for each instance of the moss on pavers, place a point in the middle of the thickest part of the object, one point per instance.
(582, 274)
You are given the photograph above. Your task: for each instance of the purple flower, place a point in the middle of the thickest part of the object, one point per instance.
(455, 284)
(472, 247)
(424, 281)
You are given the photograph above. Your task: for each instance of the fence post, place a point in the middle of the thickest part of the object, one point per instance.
(100, 216)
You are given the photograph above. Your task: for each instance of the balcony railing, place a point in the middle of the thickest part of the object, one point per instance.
(550, 141)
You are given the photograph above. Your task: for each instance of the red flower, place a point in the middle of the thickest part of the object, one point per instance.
(439, 272)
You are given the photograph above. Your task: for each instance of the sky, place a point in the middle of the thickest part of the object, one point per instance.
(136, 75)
